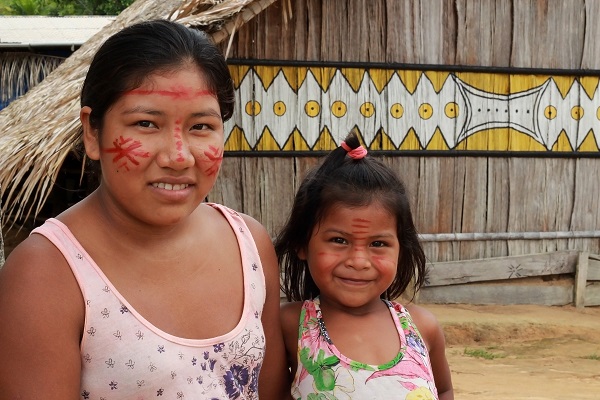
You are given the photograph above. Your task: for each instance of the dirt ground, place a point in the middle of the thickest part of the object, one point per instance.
(522, 352)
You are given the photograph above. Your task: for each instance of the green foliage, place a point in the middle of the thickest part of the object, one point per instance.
(480, 353)
(592, 357)
(63, 7)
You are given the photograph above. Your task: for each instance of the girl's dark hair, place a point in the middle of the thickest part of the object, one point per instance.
(132, 54)
(354, 183)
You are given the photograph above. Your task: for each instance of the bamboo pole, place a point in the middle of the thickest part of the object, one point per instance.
(459, 237)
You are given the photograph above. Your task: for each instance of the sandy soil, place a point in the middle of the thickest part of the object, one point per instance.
(522, 352)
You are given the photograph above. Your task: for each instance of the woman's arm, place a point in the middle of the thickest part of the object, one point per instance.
(433, 335)
(41, 319)
(273, 382)
(290, 320)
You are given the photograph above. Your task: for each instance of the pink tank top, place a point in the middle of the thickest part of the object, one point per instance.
(123, 356)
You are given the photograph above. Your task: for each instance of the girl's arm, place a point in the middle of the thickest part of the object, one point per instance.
(273, 382)
(433, 335)
(41, 320)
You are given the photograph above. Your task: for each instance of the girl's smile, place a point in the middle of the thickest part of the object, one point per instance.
(353, 254)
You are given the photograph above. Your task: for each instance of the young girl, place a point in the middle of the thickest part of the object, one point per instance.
(348, 250)
(141, 290)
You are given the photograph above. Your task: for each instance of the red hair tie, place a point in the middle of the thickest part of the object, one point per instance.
(357, 153)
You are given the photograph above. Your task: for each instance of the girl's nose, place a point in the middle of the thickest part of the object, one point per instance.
(358, 258)
(175, 152)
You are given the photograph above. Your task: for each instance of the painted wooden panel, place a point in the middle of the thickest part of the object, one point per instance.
(303, 108)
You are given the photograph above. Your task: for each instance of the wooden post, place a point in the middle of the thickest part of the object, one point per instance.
(581, 278)
(1, 240)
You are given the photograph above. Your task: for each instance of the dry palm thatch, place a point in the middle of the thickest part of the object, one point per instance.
(30, 70)
(39, 129)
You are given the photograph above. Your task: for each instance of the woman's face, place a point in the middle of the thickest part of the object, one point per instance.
(160, 148)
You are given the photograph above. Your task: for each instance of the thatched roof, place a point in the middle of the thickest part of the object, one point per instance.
(39, 129)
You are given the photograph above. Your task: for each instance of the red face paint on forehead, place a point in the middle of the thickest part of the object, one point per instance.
(126, 148)
(176, 93)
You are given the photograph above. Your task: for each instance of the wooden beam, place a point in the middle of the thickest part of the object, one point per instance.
(555, 295)
(581, 279)
(593, 273)
(500, 268)
(592, 294)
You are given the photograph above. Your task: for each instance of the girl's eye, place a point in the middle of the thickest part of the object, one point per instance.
(338, 240)
(378, 243)
(146, 124)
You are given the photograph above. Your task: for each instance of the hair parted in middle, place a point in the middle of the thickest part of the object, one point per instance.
(351, 182)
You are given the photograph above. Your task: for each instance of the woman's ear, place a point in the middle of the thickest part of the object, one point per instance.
(91, 139)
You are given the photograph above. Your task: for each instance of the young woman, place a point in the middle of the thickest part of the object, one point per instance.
(141, 289)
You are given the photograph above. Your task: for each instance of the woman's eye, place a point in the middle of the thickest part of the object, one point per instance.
(199, 127)
(146, 124)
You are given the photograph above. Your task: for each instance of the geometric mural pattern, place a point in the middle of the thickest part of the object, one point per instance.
(313, 108)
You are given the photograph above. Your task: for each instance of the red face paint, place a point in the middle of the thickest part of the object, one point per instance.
(176, 93)
(179, 142)
(215, 157)
(126, 148)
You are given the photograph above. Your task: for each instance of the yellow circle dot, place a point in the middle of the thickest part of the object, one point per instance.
(338, 108)
(550, 112)
(397, 110)
(279, 108)
(425, 111)
(312, 108)
(367, 109)
(598, 113)
(577, 113)
(451, 110)
(253, 108)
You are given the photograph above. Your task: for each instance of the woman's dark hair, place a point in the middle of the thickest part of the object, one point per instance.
(341, 179)
(132, 54)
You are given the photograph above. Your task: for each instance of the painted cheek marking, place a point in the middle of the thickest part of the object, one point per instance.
(215, 158)
(127, 148)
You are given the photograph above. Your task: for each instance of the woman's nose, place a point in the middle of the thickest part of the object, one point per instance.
(175, 152)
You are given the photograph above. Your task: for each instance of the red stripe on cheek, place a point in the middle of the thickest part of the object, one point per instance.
(383, 261)
(214, 159)
(126, 148)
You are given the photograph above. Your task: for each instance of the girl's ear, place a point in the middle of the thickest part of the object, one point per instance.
(301, 253)
(91, 140)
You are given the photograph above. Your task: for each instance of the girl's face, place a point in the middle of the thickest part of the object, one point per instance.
(353, 254)
(160, 148)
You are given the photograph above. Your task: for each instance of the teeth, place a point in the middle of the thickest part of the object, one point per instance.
(168, 186)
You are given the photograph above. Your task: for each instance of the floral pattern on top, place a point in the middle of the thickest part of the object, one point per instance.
(326, 374)
(125, 357)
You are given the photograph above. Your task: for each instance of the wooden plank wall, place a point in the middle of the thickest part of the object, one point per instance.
(449, 194)
(591, 295)
(553, 279)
